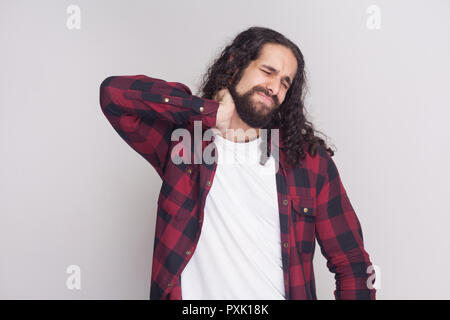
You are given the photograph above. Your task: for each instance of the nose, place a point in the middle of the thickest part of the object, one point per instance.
(273, 93)
(273, 87)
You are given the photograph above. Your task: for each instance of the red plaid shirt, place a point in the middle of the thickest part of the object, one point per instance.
(312, 201)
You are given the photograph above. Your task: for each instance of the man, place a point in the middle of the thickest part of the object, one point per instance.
(232, 230)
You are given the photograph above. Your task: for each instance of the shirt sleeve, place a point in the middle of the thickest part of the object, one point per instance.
(145, 110)
(340, 237)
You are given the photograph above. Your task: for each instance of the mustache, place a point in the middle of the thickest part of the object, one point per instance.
(273, 97)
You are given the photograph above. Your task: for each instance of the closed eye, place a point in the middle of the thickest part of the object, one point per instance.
(284, 85)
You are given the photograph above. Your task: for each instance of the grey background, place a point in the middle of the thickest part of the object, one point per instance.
(73, 193)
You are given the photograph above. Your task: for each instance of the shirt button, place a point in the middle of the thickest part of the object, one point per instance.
(285, 244)
(166, 99)
(201, 109)
(305, 210)
(189, 170)
(200, 220)
(188, 252)
(208, 183)
(170, 285)
(285, 202)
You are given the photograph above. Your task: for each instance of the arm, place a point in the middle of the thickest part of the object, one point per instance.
(144, 112)
(340, 236)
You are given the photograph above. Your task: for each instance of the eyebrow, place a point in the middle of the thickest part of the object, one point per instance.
(288, 80)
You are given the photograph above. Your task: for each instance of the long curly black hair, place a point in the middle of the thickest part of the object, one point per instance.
(296, 130)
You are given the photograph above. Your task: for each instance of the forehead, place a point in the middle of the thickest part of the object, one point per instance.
(278, 57)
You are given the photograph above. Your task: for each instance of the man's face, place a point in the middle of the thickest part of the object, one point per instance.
(264, 84)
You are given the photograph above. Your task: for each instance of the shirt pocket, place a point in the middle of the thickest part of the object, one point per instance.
(304, 217)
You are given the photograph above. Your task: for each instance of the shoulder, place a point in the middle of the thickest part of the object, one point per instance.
(321, 163)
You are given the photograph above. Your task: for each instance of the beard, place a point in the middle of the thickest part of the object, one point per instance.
(256, 114)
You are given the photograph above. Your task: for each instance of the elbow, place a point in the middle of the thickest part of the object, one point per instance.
(106, 82)
(104, 95)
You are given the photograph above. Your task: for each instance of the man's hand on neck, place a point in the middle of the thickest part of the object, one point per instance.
(228, 122)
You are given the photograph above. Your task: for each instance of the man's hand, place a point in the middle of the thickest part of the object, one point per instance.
(226, 110)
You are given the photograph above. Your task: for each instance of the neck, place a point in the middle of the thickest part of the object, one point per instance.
(239, 131)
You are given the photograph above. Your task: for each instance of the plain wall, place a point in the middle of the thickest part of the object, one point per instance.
(73, 192)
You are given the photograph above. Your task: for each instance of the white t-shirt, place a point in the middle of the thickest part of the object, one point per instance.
(238, 255)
